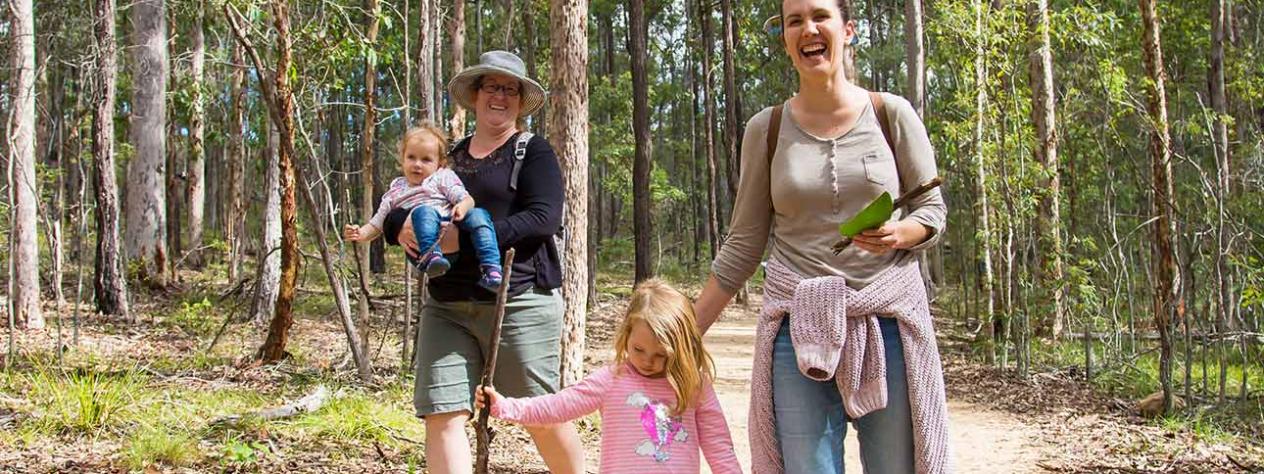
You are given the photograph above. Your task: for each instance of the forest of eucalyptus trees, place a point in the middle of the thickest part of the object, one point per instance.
(1103, 159)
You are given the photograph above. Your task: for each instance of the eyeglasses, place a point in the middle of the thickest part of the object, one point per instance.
(510, 91)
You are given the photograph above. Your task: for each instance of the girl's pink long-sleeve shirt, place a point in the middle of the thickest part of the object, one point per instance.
(638, 432)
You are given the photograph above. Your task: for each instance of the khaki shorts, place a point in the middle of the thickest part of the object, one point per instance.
(453, 340)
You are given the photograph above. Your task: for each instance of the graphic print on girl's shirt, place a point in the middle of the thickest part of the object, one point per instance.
(658, 424)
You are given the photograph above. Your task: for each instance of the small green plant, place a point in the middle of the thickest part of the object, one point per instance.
(156, 445)
(242, 452)
(85, 401)
(195, 318)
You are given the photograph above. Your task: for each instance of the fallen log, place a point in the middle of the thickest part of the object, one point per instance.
(308, 404)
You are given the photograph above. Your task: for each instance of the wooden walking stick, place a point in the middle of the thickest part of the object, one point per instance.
(489, 369)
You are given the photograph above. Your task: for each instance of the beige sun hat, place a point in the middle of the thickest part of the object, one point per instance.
(461, 87)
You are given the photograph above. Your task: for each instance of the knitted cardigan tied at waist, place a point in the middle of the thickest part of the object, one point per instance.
(834, 329)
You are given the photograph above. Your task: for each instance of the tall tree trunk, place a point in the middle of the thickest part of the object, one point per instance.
(915, 55)
(1042, 111)
(146, 210)
(427, 20)
(506, 42)
(279, 100)
(1167, 304)
(108, 284)
(269, 257)
(529, 47)
(175, 193)
(456, 29)
(1220, 134)
(235, 228)
(642, 162)
(25, 236)
(708, 122)
(984, 236)
(197, 153)
(732, 112)
(732, 117)
(273, 349)
(568, 125)
(368, 171)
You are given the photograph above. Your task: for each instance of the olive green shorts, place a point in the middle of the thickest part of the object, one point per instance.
(453, 339)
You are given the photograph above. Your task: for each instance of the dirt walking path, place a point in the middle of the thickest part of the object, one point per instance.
(983, 440)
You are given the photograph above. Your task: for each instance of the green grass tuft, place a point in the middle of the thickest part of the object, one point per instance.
(150, 445)
(85, 401)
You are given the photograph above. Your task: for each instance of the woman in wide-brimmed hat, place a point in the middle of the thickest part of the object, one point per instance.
(524, 196)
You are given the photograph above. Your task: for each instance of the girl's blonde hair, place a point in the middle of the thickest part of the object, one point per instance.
(669, 315)
(423, 128)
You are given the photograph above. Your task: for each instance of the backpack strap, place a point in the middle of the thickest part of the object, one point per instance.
(774, 131)
(520, 153)
(880, 111)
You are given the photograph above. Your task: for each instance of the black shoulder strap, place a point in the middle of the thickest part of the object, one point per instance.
(520, 153)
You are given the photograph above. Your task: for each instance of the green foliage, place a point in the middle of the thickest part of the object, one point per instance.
(197, 317)
(85, 401)
(149, 446)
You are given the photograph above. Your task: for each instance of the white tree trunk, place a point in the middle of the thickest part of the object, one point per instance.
(236, 222)
(915, 54)
(984, 235)
(25, 252)
(429, 20)
(270, 273)
(146, 210)
(1043, 107)
(568, 125)
(197, 152)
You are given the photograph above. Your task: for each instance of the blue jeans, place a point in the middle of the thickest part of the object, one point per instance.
(811, 421)
(477, 224)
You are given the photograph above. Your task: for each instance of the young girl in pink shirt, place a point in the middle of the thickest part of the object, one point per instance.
(658, 408)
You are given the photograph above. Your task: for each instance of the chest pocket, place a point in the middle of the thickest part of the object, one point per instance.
(879, 169)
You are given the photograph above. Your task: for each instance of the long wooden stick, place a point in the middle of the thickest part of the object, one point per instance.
(489, 370)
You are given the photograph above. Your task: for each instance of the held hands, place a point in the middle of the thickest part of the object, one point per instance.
(352, 233)
(486, 396)
(901, 234)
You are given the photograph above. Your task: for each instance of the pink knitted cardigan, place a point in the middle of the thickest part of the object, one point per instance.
(835, 333)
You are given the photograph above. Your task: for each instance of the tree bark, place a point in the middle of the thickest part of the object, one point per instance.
(456, 30)
(280, 114)
(273, 349)
(568, 125)
(1042, 110)
(708, 122)
(984, 236)
(1220, 134)
(642, 163)
(1167, 304)
(427, 20)
(506, 42)
(236, 222)
(197, 153)
(367, 146)
(732, 127)
(25, 236)
(109, 284)
(146, 213)
(915, 55)
(269, 253)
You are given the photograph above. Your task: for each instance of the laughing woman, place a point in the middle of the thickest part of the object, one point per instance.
(848, 337)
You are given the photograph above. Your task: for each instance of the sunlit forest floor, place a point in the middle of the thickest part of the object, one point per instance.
(149, 396)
